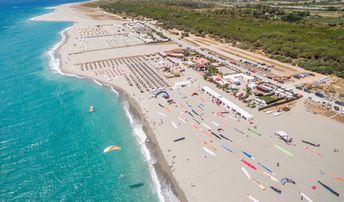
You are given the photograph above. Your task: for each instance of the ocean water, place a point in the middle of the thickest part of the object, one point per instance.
(50, 145)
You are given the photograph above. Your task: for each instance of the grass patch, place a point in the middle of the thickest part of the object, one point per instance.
(268, 99)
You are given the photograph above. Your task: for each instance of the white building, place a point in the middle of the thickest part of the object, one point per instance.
(236, 78)
(260, 102)
(251, 85)
(232, 79)
(219, 80)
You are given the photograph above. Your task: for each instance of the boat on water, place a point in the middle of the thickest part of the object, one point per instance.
(91, 109)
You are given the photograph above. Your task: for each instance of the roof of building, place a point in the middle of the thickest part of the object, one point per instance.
(201, 61)
(199, 65)
(219, 80)
(177, 50)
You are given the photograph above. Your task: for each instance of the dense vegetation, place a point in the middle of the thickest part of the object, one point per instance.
(288, 37)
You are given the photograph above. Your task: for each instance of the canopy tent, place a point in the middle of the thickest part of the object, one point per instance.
(228, 103)
(211, 92)
(181, 84)
(236, 108)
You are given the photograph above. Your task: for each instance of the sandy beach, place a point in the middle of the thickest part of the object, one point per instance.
(204, 151)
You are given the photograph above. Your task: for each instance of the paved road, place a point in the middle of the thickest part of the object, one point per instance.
(183, 44)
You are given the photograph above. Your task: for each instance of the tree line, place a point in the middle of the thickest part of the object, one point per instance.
(288, 37)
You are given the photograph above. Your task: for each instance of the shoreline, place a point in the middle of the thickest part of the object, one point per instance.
(186, 168)
(161, 166)
(161, 169)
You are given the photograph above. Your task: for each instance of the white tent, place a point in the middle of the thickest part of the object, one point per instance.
(236, 108)
(228, 103)
(181, 84)
(211, 92)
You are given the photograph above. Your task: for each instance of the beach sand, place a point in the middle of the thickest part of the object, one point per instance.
(203, 167)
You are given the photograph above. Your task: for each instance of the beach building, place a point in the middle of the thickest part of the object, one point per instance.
(162, 54)
(200, 64)
(236, 78)
(218, 80)
(200, 67)
(264, 89)
(232, 79)
(283, 93)
(178, 52)
(260, 102)
(243, 113)
(200, 60)
(251, 85)
(289, 94)
(246, 77)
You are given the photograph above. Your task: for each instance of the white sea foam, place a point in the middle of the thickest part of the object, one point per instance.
(55, 62)
(97, 82)
(37, 17)
(33, 19)
(51, 8)
(112, 88)
(164, 191)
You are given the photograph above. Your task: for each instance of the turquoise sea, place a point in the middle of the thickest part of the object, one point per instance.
(50, 145)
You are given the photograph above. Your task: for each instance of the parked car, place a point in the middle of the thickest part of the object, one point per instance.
(299, 87)
(320, 94)
(339, 103)
(307, 90)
